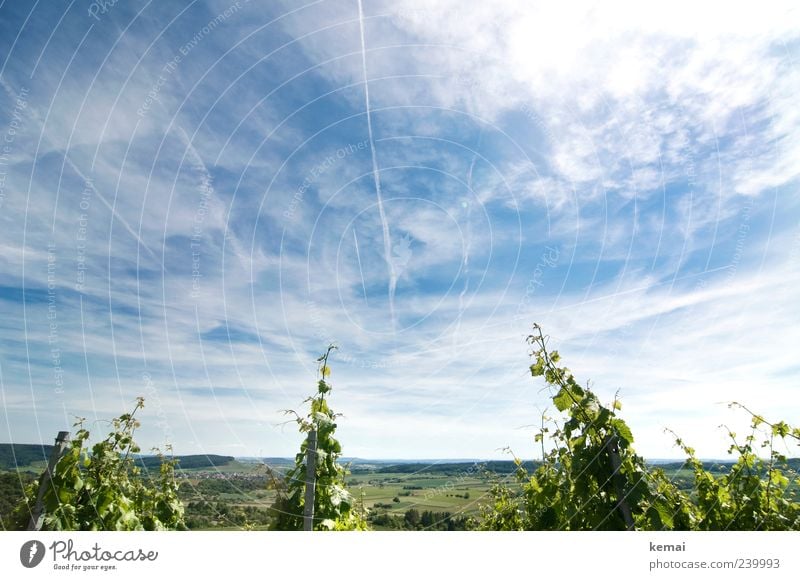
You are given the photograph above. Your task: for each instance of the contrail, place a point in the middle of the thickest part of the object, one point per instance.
(387, 240)
(468, 244)
(360, 269)
(87, 181)
(469, 213)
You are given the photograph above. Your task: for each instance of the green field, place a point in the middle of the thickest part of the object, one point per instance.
(391, 495)
(237, 496)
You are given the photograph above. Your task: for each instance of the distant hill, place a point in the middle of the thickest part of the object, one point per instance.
(187, 461)
(21, 455)
(793, 463)
(273, 460)
(498, 467)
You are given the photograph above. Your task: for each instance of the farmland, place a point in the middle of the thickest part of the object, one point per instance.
(239, 495)
(450, 493)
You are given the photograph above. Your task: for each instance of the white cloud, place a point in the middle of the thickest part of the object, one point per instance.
(566, 119)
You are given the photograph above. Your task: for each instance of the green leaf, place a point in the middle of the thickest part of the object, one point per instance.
(562, 400)
(622, 430)
(578, 442)
(780, 429)
(665, 513)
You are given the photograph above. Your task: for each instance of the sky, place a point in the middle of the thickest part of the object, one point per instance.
(197, 198)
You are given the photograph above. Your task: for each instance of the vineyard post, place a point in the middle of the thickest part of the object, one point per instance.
(311, 481)
(37, 515)
(613, 451)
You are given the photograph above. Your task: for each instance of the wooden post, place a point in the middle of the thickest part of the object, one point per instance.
(311, 481)
(622, 504)
(37, 515)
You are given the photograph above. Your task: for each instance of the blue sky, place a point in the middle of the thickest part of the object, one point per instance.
(196, 199)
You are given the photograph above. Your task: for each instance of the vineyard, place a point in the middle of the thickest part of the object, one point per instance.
(587, 477)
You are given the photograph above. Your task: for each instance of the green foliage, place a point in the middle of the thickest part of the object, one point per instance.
(425, 520)
(334, 506)
(504, 512)
(12, 488)
(104, 489)
(591, 478)
(754, 494)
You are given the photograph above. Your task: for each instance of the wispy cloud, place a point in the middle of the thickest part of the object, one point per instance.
(192, 212)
